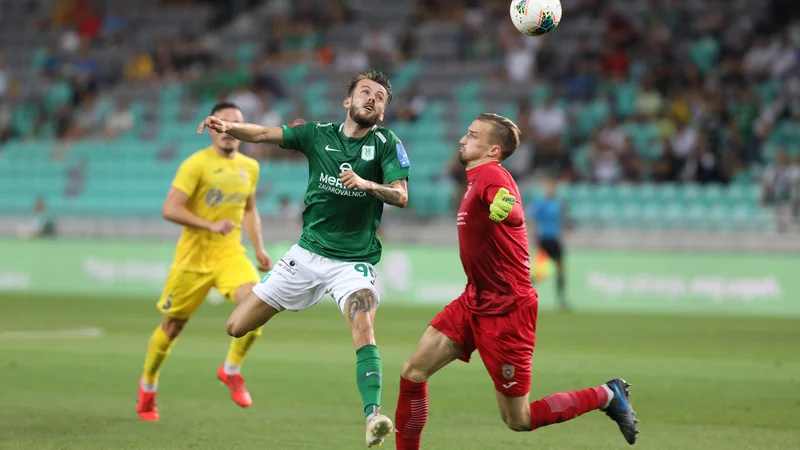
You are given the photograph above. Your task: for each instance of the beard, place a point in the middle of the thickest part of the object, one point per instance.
(228, 146)
(462, 158)
(362, 119)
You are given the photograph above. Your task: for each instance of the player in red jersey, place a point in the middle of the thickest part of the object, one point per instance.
(496, 314)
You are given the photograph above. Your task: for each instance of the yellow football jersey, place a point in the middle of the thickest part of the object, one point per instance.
(218, 189)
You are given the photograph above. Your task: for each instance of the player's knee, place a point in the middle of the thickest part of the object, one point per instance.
(172, 327)
(515, 423)
(234, 328)
(412, 372)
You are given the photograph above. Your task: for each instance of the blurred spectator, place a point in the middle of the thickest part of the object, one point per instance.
(780, 179)
(40, 225)
(413, 104)
(115, 24)
(665, 168)
(87, 119)
(548, 122)
(613, 134)
(780, 186)
(408, 44)
(88, 20)
(61, 14)
(630, 161)
(650, 101)
(352, 59)
(140, 67)
(119, 121)
(380, 47)
(583, 84)
(520, 55)
(5, 123)
(251, 104)
(604, 163)
(685, 140)
(703, 167)
(5, 78)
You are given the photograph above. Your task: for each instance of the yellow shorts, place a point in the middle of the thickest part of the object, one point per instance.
(185, 290)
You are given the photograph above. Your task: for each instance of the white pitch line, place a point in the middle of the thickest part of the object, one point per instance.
(43, 335)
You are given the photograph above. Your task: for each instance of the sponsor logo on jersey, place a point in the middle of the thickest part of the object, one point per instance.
(334, 185)
(368, 152)
(380, 136)
(319, 125)
(402, 156)
(216, 197)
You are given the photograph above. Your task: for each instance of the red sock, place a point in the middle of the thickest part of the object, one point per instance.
(411, 414)
(557, 408)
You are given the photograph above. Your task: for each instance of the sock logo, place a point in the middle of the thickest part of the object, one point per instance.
(372, 373)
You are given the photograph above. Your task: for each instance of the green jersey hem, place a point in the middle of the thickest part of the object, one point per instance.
(373, 258)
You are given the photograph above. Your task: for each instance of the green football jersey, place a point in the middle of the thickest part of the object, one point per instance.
(341, 223)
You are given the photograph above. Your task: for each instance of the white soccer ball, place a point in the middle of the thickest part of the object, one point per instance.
(535, 17)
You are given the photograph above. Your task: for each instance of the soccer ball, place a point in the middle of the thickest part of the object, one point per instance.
(535, 17)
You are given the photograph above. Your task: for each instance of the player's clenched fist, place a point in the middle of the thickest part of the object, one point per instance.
(351, 180)
(214, 123)
(264, 260)
(222, 227)
(502, 205)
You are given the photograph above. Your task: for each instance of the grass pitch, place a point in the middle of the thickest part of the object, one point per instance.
(698, 382)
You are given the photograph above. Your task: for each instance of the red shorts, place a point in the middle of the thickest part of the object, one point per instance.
(504, 342)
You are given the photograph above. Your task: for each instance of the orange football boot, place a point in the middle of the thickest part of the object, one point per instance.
(235, 383)
(146, 405)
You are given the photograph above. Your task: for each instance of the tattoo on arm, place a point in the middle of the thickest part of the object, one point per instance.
(395, 193)
(360, 301)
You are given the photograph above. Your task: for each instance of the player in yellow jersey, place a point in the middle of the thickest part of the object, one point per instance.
(213, 197)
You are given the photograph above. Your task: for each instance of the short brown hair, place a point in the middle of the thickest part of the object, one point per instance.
(375, 76)
(505, 133)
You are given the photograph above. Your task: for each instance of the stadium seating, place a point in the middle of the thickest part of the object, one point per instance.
(128, 176)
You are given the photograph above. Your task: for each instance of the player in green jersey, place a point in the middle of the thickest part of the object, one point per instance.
(354, 168)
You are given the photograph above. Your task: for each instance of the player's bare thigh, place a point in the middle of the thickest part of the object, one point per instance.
(360, 309)
(250, 313)
(242, 292)
(515, 411)
(433, 352)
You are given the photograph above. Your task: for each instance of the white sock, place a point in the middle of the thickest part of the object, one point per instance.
(231, 369)
(148, 387)
(376, 411)
(610, 396)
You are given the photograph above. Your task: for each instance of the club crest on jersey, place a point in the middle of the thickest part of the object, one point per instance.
(368, 152)
(508, 371)
(242, 173)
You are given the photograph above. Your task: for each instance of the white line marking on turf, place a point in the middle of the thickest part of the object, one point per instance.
(42, 335)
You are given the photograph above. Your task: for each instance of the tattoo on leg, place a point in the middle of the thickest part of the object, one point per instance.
(360, 301)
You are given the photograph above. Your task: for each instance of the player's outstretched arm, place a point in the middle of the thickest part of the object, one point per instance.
(252, 226)
(174, 209)
(247, 132)
(394, 193)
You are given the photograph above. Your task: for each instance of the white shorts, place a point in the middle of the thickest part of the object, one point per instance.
(300, 279)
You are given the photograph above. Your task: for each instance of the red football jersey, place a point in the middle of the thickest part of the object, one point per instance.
(494, 254)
